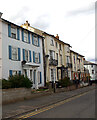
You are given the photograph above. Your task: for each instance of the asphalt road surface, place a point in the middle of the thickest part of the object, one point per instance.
(80, 106)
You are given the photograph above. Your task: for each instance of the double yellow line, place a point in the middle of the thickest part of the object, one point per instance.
(50, 107)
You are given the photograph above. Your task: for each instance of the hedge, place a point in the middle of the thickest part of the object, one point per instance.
(16, 81)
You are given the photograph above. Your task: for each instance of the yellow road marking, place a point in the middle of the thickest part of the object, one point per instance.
(51, 106)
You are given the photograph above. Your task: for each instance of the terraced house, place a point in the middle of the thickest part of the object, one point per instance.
(57, 63)
(57, 51)
(77, 65)
(21, 52)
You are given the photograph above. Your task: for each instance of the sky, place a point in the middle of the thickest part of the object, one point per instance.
(72, 20)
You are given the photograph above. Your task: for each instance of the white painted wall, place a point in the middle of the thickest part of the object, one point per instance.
(16, 65)
(93, 76)
(0, 48)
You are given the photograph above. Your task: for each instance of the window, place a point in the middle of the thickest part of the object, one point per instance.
(61, 59)
(57, 56)
(14, 53)
(25, 37)
(68, 59)
(36, 57)
(52, 54)
(56, 45)
(92, 66)
(77, 56)
(26, 55)
(52, 42)
(36, 40)
(92, 71)
(13, 32)
(74, 59)
(14, 72)
(60, 47)
(68, 50)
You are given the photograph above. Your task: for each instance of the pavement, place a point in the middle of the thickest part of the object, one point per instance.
(18, 108)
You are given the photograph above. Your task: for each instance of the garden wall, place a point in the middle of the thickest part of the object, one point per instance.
(19, 94)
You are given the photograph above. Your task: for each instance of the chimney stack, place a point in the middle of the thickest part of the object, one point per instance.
(57, 36)
(27, 24)
(1, 14)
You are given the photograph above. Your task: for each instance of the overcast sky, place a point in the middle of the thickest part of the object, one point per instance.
(73, 20)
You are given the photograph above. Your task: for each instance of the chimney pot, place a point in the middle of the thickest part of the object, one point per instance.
(57, 36)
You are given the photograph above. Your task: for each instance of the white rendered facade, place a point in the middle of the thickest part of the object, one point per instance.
(17, 45)
(92, 67)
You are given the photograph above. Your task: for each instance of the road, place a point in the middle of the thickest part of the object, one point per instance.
(80, 106)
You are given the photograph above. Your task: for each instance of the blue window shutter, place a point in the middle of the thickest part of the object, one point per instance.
(39, 58)
(29, 37)
(22, 35)
(10, 72)
(19, 54)
(38, 41)
(40, 78)
(23, 54)
(34, 76)
(19, 72)
(10, 52)
(30, 56)
(33, 56)
(32, 39)
(18, 34)
(9, 30)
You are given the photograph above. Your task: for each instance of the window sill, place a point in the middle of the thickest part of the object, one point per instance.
(37, 63)
(14, 60)
(51, 44)
(14, 38)
(36, 45)
(25, 42)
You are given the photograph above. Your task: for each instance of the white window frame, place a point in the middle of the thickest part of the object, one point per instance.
(15, 72)
(52, 42)
(52, 54)
(68, 50)
(14, 53)
(35, 40)
(13, 32)
(27, 55)
(26, 36)
(36, 57)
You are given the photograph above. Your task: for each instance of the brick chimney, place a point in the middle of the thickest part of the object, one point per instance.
(57, 36)
(1, 14)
